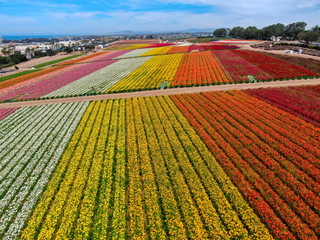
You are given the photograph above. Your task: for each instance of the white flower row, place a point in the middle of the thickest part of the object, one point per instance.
(13, 120)
(134, 53)
(102, 79)
(14, 142)
(29, 185)
(23, 162)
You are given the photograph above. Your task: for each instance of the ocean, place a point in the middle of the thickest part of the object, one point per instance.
(7, 37)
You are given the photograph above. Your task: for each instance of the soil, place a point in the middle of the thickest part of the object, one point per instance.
(295, 54)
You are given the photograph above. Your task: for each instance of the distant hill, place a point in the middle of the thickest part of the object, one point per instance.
(195, 30)
(191, 30)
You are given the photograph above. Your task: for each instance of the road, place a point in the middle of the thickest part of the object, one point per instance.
(169, 91)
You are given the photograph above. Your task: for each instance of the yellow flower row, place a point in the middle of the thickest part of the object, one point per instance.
(170, 206)
(84, 221)
(211, 219)
(119, 223)
(104, 204)
(135, 46)
(229, 217)
(61, 173)
(135, 200)
(192, 218)
(151, 74)
(157, 51)
(62, 211)
(257, 230)
(153, 211)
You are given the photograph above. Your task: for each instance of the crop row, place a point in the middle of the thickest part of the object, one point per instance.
(300, 101)
(6, 112)
(57, 82)
(274, 67)
(150, 75)
(21, 79)
(309, 63)
(146, 73)
(29, 86)
(32, 141)
(238, 67)
(101, 80)
(157, 51)
(135, 168)
(133, 53)
(175, 49)
(275, 168)
(198, 69)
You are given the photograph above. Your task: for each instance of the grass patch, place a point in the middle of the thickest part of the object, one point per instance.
(56, 61)
(19, 74)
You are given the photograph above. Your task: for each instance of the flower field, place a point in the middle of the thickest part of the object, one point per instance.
(220, 165)
(6, 112)
(157, 51)
(133, 53)
(32, 142)
(199, 69)
(118, 159)
(275, 67)
(308, 63)
(148, 68)
(102, 79)
(38, 86)
(238, 67)
(272, 157)
(150, 75)
(299, 101)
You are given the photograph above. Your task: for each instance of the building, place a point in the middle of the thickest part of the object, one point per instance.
(0, 39)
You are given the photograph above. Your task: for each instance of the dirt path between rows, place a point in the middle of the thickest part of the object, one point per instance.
(281, 52)
(170, 91)
(23, 66)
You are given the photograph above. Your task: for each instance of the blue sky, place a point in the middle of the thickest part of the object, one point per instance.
(61, 17)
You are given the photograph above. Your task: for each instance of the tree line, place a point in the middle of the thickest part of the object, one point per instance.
(292, 31)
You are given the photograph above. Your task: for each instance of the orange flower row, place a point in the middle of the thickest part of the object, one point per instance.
(199, 68)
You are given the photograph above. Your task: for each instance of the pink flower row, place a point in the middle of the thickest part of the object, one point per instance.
(6, 112)
(43, 85)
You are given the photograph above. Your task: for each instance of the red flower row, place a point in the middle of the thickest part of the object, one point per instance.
(275, 67)
(297, 101)
(256, 153)
(238, 67)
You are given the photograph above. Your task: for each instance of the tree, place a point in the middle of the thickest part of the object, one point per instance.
(251, 32)
(220, 32)
(316, 28)
(293, 29)
(6, 51)
(68, 50)
(266, 33)
(237, 32)
(274, 30)
(309, 36)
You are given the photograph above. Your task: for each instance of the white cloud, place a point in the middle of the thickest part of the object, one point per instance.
(5, 20)
(74, 15)
(49, 4)
(253, 6)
